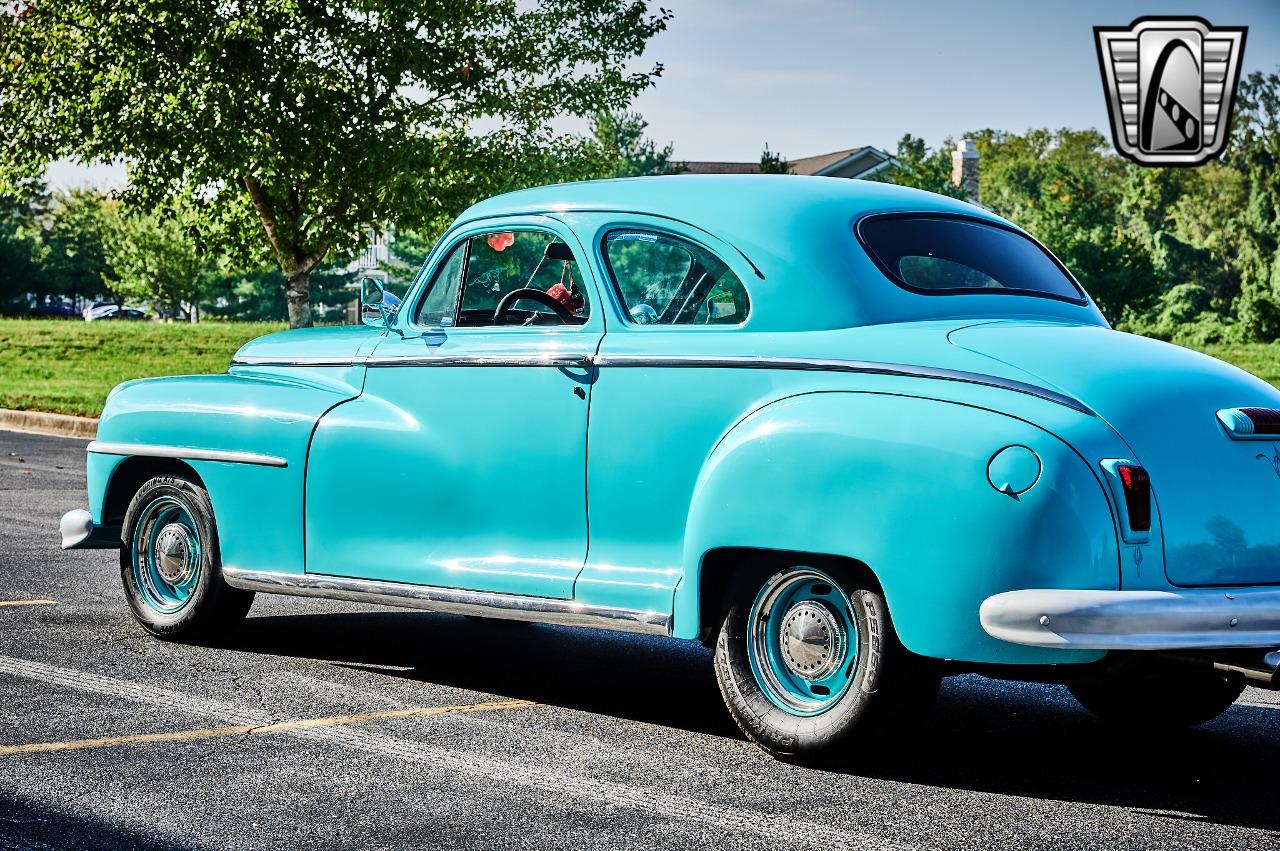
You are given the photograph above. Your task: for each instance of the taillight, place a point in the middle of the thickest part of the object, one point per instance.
(1137, 495)
(1251, 423)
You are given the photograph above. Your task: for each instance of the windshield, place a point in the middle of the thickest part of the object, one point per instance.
(943, 255)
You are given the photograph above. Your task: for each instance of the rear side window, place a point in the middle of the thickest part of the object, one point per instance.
(940, 255)
(666, 280)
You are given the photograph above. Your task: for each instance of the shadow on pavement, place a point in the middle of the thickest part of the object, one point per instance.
(1003, 738)
(26, 825)
(624, 676)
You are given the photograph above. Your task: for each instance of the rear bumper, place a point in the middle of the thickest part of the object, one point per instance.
(80, 533)
(1181, 619)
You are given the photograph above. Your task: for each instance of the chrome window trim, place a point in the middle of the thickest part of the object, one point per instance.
(186, 453)
(711, 362)
(451, 600)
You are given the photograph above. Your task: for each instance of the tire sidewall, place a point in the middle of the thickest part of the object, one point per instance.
(196, 500)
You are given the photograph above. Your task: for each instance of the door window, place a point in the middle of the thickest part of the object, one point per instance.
(666, 280)
(441, 303)
(509, 277)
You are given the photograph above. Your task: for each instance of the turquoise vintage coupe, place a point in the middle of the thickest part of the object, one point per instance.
(853, 436)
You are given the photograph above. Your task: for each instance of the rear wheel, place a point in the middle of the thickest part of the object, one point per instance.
(810, 668)
(170, 563)
(1167, 699)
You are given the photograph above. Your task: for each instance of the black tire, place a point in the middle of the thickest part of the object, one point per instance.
(1167, 699)
(891, 690)
(213, 607)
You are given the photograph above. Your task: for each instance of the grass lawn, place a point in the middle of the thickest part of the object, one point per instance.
(68, 367)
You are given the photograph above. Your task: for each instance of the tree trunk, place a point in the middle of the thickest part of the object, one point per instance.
(297, 293)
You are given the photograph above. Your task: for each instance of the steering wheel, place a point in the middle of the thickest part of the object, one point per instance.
(508, 300)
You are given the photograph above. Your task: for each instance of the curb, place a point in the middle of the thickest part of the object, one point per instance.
(57, 425)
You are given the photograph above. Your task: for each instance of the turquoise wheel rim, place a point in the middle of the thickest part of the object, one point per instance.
(166, 555)
(803, 641)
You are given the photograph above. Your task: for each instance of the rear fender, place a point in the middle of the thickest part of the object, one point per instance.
(901, 484)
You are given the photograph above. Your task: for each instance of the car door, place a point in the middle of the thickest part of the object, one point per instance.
(463, 463)
(675, 294)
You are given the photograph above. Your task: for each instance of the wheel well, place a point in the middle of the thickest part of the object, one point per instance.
(725, 569)
(130, 476)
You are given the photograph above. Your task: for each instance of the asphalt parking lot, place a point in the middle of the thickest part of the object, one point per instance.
(327, 724)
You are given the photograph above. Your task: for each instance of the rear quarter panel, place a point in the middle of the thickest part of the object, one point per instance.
(900, 484)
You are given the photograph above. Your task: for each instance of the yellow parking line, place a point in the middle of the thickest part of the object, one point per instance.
(28, 602)
(255, 729)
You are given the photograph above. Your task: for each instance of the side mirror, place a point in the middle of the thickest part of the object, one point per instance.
(377, 306)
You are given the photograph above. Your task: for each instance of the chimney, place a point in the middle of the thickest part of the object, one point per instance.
(964, 169)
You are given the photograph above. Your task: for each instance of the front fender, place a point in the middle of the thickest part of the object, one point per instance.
(250, 410)
(901, 484)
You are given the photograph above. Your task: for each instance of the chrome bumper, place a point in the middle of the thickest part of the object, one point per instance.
(79, 532)
(1182, 619)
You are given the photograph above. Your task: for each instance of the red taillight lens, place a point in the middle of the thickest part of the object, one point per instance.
(1137, 496)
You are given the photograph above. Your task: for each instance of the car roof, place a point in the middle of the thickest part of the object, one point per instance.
(722, 200)
(796, 231)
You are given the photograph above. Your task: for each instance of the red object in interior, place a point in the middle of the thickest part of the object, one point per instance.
(561, 294)
(1137, 496)
(501, 241)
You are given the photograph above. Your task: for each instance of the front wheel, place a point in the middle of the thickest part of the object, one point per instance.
(810, 668)
(170, 563)
(1166, 699)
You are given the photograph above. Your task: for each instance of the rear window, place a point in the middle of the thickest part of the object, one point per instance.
(942, 255)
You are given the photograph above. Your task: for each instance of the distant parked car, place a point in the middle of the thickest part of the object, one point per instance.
(852, 436)
(114, 311)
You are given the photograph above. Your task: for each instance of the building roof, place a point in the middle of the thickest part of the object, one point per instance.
(850, 162)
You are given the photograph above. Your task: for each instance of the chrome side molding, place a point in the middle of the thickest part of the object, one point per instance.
(903, 370)
(693, 362)
(450, 600)
(185, 453)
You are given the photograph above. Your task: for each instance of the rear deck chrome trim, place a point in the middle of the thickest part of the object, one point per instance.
(451, 600)
(693, 362)
(1184, 619)
(185, 453)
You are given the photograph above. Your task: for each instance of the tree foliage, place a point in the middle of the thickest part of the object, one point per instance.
(627, 151)
(773, 162)
(921, 168)
(152, 256)
(302, 125)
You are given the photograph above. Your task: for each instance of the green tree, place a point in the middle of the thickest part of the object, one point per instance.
(629, 153)
(154, 257)
(1065, 187)
(772, 162)
(21, 271)
(75, 255)
(919, 167)
(301, 125)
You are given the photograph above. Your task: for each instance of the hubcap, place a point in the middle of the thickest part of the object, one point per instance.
(174, 547)
(803, 641)
(812, 641)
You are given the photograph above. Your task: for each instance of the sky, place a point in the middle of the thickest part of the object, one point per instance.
(812, 76)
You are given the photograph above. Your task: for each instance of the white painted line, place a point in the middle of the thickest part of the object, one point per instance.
(551, 780)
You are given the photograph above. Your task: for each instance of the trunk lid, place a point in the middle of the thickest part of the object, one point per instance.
(1218, 498)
